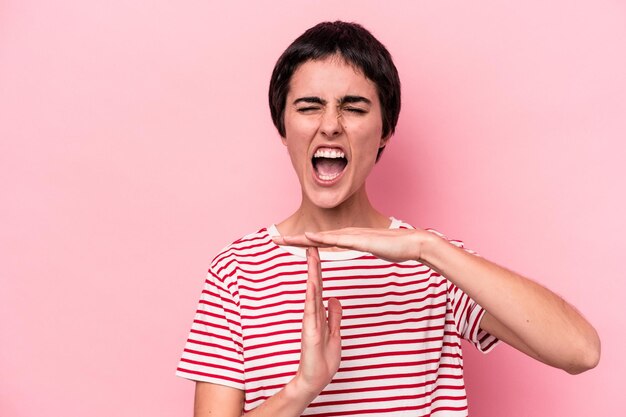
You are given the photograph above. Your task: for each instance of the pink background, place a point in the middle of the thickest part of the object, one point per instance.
(135, 142)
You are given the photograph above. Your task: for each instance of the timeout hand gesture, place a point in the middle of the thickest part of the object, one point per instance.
(321, 341)
(396, 245)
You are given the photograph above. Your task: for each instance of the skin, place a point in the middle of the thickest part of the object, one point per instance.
(356, 127)
(520, 312)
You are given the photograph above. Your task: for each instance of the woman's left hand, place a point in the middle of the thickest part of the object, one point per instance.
(395, 245)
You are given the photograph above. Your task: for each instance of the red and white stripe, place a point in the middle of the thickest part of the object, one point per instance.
(401, 330)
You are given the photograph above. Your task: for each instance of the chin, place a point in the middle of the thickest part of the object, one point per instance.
(327, 200)
(328, 206)
(326, 203)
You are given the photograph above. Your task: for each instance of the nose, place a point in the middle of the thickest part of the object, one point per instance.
(331, 125)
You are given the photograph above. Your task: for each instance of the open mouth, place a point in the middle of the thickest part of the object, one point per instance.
(329, 163)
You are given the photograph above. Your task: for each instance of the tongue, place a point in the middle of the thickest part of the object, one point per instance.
(330, 166)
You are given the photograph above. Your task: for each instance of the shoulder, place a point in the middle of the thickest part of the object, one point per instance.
(400, 224)
(246, 247)
(455, 242)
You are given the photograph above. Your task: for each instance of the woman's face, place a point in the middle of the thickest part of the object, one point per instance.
(333, 128)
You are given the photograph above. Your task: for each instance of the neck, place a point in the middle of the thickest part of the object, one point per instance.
(357, 211)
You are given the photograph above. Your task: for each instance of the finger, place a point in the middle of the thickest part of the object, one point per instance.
(334, 317)
(313, 265)
(315, 274)
(297, 240)
(315, 271)
(315, 314)
(342, 240)
(310, 317)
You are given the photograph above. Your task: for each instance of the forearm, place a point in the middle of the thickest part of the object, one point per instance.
(288, 402)
(220, 400)
(547, 325)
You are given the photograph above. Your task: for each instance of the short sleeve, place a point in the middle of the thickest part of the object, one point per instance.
(467, 316)
(467, 312)
(214, 350)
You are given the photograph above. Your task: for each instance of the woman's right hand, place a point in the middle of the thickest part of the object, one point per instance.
(319, 361)
(321, 340)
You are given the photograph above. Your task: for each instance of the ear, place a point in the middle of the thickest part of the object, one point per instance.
(283, 140)
(383, 141)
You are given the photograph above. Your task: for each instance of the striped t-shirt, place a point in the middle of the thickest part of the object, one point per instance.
(400, 331)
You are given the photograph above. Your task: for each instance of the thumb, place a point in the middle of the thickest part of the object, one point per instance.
(334, 317)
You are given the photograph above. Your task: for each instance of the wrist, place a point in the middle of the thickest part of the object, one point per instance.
(298, 392)
(429, 243)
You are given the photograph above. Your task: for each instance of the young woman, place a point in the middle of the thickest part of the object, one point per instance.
(371, 322)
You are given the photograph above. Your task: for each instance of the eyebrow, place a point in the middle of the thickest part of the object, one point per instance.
(342, 100)
(315, 100)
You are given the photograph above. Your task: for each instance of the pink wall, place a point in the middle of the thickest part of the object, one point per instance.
(135, 141)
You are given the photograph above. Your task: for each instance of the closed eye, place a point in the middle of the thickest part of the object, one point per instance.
(355, 110)
(308, 109)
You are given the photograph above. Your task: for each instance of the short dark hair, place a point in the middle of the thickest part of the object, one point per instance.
(359, 48)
